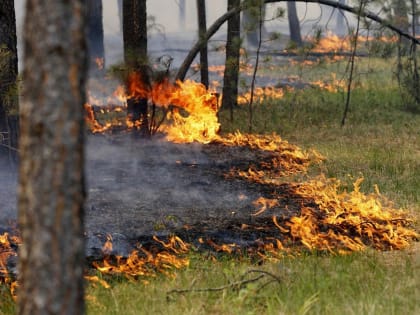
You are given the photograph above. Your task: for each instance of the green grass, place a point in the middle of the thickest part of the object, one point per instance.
(380, 142)
(363, 283)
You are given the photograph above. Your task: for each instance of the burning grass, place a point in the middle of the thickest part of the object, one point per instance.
(161, 258)
(333, 217)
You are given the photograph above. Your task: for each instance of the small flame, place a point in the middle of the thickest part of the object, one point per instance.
(6, 251)
(332, 43)
(261, 94)
(264, 203)
(146, 263)
(100, 62)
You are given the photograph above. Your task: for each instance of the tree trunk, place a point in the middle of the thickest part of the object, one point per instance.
(233, 45)
(294, 25)
(340, 27)
(8, 73)
(400, 19)
(95, 36)
(51, 179)
(202, 29)
(182, 11)
(135, 56)
(120, 13)
(251, 22)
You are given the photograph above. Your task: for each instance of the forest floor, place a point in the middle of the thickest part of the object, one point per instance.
(379, 142)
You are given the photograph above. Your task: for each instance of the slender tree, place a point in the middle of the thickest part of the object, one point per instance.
(182, 15)
(340, 27)
(135, 56)
(95, 36)
(51, 179)
(8, 75)
(250, 21)
(202, 29)
(120, 13)
(400, 14)
(231, 74)
(294, 25)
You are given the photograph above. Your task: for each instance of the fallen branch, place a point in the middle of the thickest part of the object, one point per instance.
(233, 285)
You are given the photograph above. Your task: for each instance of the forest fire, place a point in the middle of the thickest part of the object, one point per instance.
(288, 216)
(187, 108)
(332, 43)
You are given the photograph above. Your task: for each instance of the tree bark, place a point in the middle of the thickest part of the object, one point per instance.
(233, 46)
(95, 36)
(51, 180)
(202, 29)
(8, 74)
(135, 56)
(294, 25)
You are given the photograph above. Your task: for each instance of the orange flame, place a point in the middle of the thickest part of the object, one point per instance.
(146, 263)
(100, 62)
(333, 43)
(345, 221)
(190, 109)
(7, 251)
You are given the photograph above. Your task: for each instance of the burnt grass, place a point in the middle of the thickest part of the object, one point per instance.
(140, 188)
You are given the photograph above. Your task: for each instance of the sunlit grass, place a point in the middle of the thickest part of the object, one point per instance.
(362, 283)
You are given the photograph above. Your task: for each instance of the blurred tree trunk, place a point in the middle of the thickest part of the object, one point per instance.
(120, 13)
(95, 37)
(294, 25)
(202, 29)
(400, 12)
(182, 14)
(135, 56)
(340, 27)
(250, 22)
(400, 19)
(233, 46)
(51, 181)
(8, 76)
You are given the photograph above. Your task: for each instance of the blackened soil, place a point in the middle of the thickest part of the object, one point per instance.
(138, 188)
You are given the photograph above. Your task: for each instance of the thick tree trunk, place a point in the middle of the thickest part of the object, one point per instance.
(202, 29)
(233, 45)
(135, 56)
(8, 74)
(95, 36)
(294, 25)
(51, 181)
